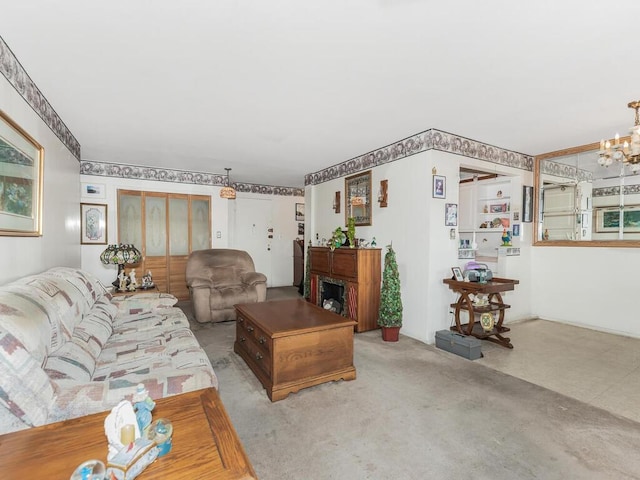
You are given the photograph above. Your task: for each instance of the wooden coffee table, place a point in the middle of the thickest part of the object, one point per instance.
(293, 344)
(205, 444)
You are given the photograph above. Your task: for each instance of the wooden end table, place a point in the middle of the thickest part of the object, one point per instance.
(205, 444)
(492, 290)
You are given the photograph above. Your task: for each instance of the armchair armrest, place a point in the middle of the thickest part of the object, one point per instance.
(200, 282)
(253, 278)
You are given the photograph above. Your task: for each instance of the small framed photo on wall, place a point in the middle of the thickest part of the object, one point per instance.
(451, 214)
(299, 212)
(439, 186)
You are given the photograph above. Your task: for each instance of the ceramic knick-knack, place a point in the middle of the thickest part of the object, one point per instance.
(143, 404)
(545, 236)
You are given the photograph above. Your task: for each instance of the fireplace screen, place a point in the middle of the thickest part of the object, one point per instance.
(332, 296)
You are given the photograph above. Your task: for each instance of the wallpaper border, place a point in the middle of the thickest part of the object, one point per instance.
(137, 172)
(431, 139)
(18, 77)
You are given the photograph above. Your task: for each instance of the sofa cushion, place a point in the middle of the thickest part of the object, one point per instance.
(27, 314)
(95, 328)
(143, 302)
(72, 361)
(25, 389)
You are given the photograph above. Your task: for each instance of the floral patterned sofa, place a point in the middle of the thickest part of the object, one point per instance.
(67, 348)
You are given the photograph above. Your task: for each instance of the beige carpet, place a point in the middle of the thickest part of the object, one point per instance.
(416, 412)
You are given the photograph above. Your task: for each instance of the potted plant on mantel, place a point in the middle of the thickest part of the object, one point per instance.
(390, 316)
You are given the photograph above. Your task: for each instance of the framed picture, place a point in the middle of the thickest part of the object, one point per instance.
(516, 216)
(457, 274)
(451, 214)
(527, 204)
(498, 208)
(93, 224)
(299, 212)
(357, 198)
(439, 186)
(21, 172)
(93, 190)
(608, 219)
(516, 230)
(301, 229)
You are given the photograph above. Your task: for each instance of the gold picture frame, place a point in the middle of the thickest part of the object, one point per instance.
(21, 172)
(357, 199)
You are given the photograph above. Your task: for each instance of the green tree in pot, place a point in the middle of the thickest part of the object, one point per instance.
(390, 316)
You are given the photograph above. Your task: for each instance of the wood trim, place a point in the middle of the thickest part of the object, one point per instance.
(589, 147)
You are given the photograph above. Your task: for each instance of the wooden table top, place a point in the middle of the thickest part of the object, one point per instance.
(495, 285)
(205, 444)
(280, 318)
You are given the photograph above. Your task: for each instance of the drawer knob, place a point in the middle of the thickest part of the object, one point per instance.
(258, 356)
(242, 339)
(240, 319)
(262, 340)
(249, 329)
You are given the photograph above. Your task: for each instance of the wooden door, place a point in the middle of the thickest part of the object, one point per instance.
(166, 228)
(155, 239)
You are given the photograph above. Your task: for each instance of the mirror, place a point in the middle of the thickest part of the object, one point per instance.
(358, 198)
(579, 202)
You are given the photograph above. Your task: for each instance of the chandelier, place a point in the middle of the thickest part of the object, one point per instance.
(625, 152)
(228, 191)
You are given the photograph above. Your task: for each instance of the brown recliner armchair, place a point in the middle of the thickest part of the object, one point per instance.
(218, 279)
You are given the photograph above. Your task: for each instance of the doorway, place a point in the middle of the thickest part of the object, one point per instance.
(252, 221)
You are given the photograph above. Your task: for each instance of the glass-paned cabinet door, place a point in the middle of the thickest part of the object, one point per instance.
(178, 225)
(130, 218)
(200, 223)
(156, 225)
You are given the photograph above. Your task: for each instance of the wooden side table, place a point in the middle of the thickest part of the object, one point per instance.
(494, 304)
(205, 444)
(153, 289)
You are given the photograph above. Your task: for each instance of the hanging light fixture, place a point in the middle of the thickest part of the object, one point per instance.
(628, 153)
(228, 191)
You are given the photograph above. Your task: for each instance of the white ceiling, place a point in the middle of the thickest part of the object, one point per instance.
(281, 88)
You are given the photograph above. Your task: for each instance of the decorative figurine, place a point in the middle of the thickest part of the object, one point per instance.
(147, 280)
(123, 281)
(506, 238)
(133, 283)
(373, 242)
(118, 426)
(143, 404)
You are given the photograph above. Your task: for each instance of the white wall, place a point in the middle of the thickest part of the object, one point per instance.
(284, 224)
(59, 244)
(414, 222)
(593, 287)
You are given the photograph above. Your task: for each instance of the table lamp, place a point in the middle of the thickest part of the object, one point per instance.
(121, 255)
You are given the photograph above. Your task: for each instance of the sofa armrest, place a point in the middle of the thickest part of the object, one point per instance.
(253, 278)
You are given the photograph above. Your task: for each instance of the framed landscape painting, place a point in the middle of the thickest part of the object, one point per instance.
(608, 219)
(21, 170)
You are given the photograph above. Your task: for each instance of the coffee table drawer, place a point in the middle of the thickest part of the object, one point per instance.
(251, 330)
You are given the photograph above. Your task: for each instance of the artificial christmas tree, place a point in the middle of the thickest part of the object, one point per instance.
(390, 316)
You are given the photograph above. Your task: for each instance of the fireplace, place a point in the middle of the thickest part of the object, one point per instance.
(332, 295)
